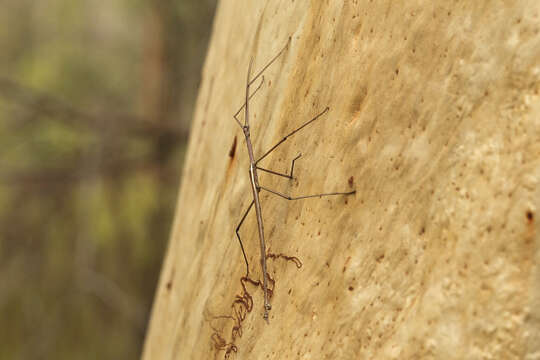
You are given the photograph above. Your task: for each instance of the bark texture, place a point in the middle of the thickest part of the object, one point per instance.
(435, 121)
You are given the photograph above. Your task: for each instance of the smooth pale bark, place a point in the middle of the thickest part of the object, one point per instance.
(434, 119)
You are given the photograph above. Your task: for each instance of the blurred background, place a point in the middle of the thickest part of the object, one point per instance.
(96, 99)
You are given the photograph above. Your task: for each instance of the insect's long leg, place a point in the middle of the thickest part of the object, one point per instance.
(244, 104)
(307, 196)
(269, 63)
(292, 133)
(251, 81)
(240, 240)
(281, 174)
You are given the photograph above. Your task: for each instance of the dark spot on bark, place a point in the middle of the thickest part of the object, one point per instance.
(529, 215)
(351, 181)
(358, 102)
(169, 283)
(346, 263)
(232, 151)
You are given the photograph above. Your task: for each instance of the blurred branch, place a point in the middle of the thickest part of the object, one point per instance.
(74, 172)
(40, 104)
(112, 132)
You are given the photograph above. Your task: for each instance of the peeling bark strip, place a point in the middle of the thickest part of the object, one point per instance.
(241, 306)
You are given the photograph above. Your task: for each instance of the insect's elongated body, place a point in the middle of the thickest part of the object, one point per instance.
(254, 180)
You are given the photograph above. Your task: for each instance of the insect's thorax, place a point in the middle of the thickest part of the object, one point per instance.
(252, 166)
(253, 176)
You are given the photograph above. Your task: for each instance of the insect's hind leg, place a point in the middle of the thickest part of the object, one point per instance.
(240, 240)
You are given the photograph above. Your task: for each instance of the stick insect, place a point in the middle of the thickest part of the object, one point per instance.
(254, 180)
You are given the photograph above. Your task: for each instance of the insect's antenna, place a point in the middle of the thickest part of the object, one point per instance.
(246, 118)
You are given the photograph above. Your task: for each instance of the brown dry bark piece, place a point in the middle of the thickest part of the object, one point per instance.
(434, 119)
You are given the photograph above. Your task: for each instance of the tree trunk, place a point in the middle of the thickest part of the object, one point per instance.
(435, 121)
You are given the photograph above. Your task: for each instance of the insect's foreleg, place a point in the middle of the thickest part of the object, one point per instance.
(244, 104)
(306, 196)
(269, 63)
(260, 73)
(292, 133)
(240, 240)
(281, 174)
